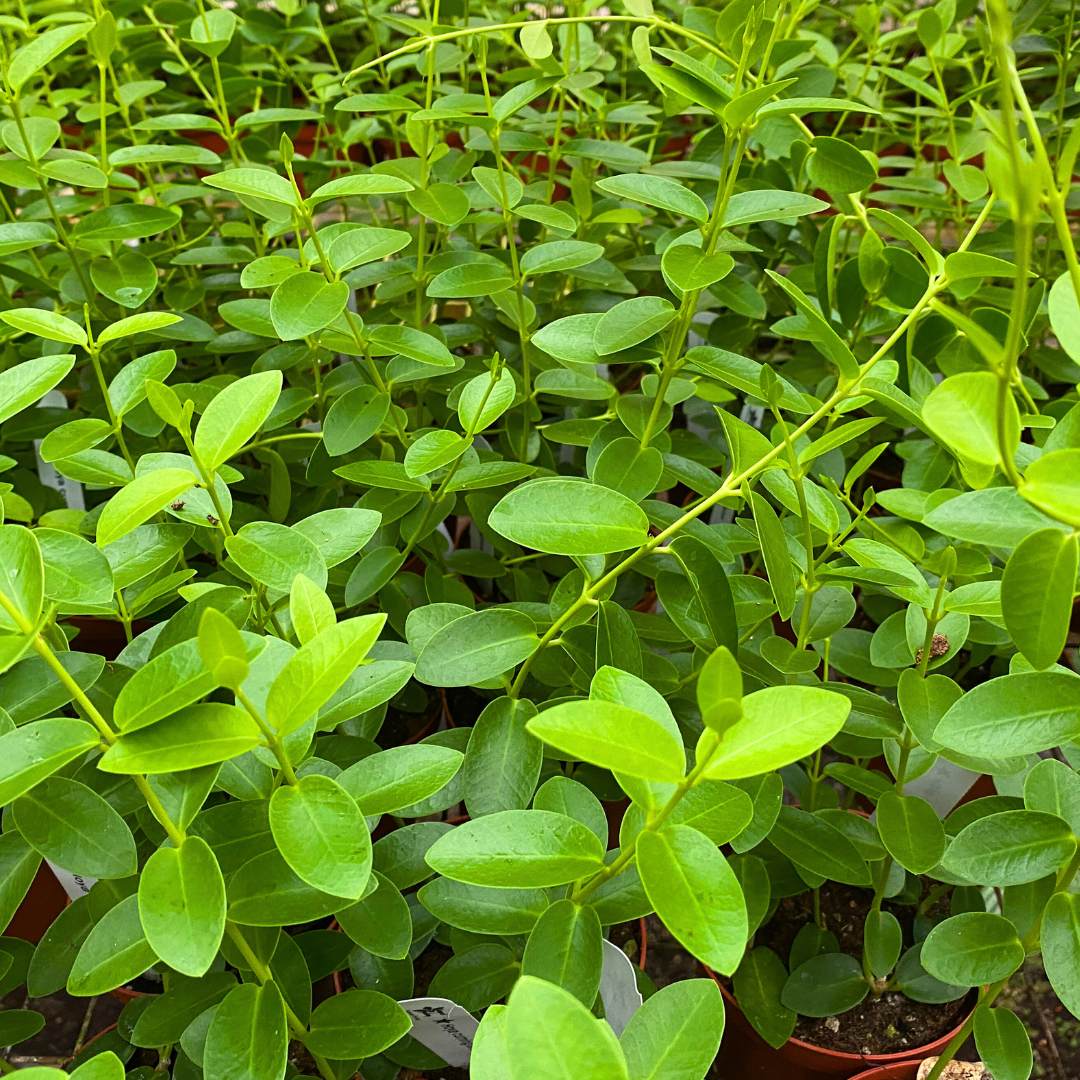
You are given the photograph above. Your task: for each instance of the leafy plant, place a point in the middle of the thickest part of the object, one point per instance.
(472, 481)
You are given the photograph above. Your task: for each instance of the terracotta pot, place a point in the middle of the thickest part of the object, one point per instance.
(746, 1054)
(891, 1072)
(43, 902)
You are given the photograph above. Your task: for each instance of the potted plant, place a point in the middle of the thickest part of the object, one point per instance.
(474, 482)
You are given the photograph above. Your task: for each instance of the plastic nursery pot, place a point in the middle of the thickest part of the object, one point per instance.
(44, 901)
(746, 1054)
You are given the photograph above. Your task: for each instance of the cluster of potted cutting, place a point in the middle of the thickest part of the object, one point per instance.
(526, 495)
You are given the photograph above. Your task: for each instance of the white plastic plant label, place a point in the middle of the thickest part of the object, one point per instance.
(70, 490)
(75, 885)
(618, 987)
(943, 785)
(444, 1027)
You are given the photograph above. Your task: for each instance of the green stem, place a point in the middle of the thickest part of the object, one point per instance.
(730, 486)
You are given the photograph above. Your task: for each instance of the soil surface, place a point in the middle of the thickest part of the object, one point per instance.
(887, 1024)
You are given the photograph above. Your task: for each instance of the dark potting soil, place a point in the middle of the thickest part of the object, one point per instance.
(70, 1024)
(887, 1024)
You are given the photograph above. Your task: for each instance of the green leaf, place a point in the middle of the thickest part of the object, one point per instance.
(381, 922)
(356, 1024)
(1013, 715)
(476, 647)
(565, 516)
(142, 323)
(517, 848)
(883, 938)
(774, 551)
(273, 555)
(45, 324)
(911, 831)
(222, 649)
(565, 948)
(255, 183)
(248, 1038)
(234, 415)
(994, 516)
(746, 207)
(631, 322)
(689, 268)
(1036, 594)
(1064, 311)
(559, 256)
(444, 203)
(321, 833)
(484, 399)
(825, 339)
(972, 949)
(695, 894)
(962, 413)
(170, 681)
(676, 1034)
(74, 827)
(408, 341)
(126, 221)
(758, 983)
(613, 736)
(1060, 943)
(318, 670)
(825, 985)
(838, 167)
(167, 1016)
(102, 1066)
(310, 609)
(809, 841)
(960, 265)
(353, 419)
(659, 191)
(433, 450)
(359, 184)
(41, 50)
(1003, 1043)
(471, 279)
(182, 905)
(139, 500)
(535, 40)
(482, 910)
(1052, 787)
(399, 777)
(16, 236)
(305, 303)
(503, 759)
(550, 1035)
(22, 579)
(198, 735)
(23, 384)
(35, 751)
(17, 1025)
(1010, 848)
(779, 725)
(115, 952)
(1051, 483)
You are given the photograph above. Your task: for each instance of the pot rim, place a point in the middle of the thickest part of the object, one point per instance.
(895, 1058)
